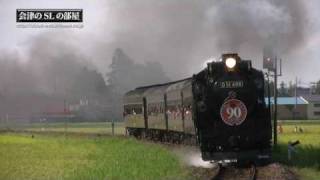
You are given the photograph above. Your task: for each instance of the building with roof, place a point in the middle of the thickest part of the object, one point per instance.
(313, 110)
(291, 107)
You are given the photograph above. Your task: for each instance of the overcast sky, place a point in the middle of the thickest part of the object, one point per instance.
(181, 35)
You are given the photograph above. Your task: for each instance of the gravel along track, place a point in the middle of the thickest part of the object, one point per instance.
(202, 170)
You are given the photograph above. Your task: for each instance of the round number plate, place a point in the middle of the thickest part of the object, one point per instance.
(233, 112)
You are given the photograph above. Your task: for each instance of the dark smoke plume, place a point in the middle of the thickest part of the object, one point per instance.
(186, 33)
(256, 23)
(180, 35)
(57, 72)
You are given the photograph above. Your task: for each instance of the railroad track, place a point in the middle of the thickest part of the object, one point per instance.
(248, 172)
(241, 173)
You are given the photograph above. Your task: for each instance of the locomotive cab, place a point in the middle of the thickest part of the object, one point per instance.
(230, 115)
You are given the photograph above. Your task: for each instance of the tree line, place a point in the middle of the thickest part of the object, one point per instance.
(52, 82)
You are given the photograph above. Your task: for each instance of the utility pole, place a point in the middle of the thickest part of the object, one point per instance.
(65, 117)
(269, 92)
(270, 62)
(275, 122)
(112, 126)
(296, 99)
(7, 121)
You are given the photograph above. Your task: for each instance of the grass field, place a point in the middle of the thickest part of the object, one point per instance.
(83, 154)
(306, 160)
(78, 127)
(75, 158)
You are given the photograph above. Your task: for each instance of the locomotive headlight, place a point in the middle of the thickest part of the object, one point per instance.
(230, 62)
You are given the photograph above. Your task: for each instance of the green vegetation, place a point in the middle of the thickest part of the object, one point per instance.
(50, 157)
(306, 160)
(58, 157)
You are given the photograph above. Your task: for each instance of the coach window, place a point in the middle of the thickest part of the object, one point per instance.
(188, 109)
(161, 108)
(316, 113)
(174, 109)
(155, 108)
(137, 110)
(152, 109)
(133, 109)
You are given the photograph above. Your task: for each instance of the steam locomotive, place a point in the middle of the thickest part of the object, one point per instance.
(222, 107)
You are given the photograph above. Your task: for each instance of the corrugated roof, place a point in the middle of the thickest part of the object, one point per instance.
(288, 100)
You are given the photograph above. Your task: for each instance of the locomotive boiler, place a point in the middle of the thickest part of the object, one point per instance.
(222, 107)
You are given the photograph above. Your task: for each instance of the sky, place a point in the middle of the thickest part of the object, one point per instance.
(181, 35)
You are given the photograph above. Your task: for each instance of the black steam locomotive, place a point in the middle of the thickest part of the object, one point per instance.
(222, 106)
